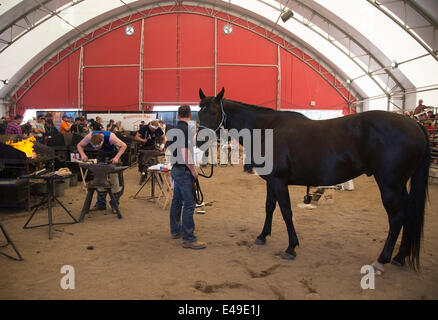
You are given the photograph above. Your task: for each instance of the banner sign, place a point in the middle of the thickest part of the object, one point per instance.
(130, 121)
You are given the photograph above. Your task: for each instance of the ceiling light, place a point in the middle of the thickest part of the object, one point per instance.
(129, 30)
(228, 29)
(287, 15)
(394, 64)
(349, 81)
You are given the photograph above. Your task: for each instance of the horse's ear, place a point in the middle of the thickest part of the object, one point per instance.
(220, 95)
(201, 94)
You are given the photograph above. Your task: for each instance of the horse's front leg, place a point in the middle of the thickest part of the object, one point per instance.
(270, 207)
(282, 196)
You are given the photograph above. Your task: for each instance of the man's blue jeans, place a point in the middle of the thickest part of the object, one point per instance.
(101, 199)
(183, 201)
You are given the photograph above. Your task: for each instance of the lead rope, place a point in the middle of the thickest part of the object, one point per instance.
(197, 192)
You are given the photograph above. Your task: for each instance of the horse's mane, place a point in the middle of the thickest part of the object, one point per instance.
(261, 109)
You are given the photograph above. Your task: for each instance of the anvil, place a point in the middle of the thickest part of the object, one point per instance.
(100, 173)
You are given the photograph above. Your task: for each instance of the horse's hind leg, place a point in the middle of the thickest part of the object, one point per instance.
(394, 201)
(403, 252)
(282, 195)
(270, 207)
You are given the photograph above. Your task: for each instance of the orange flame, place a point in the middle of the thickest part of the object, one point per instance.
(25, 146)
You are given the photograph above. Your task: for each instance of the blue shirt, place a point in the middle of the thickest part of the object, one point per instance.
(107, 146)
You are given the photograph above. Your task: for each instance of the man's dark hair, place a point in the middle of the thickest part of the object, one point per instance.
(18, 117)
(184, 111)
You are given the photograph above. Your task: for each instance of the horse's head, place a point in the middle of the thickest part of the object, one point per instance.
(210, 113)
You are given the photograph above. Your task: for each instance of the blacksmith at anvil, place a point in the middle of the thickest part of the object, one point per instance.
(149, 135)
(106, 143)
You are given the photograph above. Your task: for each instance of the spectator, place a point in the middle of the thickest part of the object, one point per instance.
(430, 115)
(50, 129)
(119, 127)
(420, 108)
(13, 127)
(77, 127)
(110, 126)
(3, 125)
(49, 116)
(85, 127)
(97, 125)
(65, 125)
(38, 129)
(428, 124)
(26, 129)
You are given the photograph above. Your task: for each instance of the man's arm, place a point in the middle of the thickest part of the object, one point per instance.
(188, 159)
(119, 143)
(139, 138)
(35, 129)
(65, 126)
(163, 142)
(83, 143)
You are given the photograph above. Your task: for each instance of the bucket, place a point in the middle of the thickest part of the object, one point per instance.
(66, 182)
(39, 188)
(74, 180)
(59, 188)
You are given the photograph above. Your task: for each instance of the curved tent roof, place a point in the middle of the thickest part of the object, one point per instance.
(385, 51)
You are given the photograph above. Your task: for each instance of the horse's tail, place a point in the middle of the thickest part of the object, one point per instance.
(417, 200)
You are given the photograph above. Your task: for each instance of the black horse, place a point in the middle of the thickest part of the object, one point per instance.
(308, 152)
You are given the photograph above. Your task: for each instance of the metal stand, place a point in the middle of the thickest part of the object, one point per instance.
(50, 197)
(152, 177)
(89, 198)
(9, 242)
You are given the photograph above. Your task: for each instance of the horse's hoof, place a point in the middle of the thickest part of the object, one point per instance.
(259, 242)
(378, 268)
(288, 256)
(397, 263)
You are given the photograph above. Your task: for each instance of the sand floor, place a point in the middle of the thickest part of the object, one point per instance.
(135, 258)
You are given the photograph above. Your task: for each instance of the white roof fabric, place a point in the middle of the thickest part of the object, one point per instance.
(357, 37)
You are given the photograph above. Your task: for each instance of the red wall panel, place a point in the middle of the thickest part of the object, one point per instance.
(253, 85)
(160, 41)
(197, 43)
(300, 85)
(243, 46)
(111, 88)
(56, 89)
(310, 86)
(192, 48)
(159, 86)
(192, 80)
(114, 48)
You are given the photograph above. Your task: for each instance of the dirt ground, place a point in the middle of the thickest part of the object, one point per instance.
(135, 258)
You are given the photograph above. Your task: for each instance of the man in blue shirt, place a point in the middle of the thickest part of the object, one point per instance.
(105, 143)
